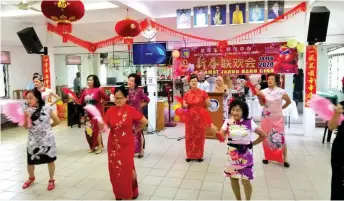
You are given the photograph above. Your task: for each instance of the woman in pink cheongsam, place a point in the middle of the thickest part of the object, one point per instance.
(272, 123)
(93, 95)
(137, 99)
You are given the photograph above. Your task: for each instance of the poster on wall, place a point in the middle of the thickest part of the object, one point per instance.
(237, 13)
(200, 16)
(73, 60)
(275, 9)
(218, 15)
(256, 11)
(243, 59)
(5, 57)
(311, 72)
(183, 18)
(46, 70)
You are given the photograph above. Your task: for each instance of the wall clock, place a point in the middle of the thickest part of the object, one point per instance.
(149, 33)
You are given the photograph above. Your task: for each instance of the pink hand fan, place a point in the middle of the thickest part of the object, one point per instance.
(68, 91)
(14, 112)
(96, 114)
(324, 108)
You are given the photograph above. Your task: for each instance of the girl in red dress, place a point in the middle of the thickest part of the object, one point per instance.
(93, 95)
(121, 145)
(196, 121)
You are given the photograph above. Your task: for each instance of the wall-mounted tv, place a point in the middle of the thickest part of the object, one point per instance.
(149, 53)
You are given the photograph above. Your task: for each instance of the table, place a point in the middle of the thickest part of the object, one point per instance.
(256, 110)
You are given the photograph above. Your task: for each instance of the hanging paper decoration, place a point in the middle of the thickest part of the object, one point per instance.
(128, 29)
(186, 37)
(64, 12)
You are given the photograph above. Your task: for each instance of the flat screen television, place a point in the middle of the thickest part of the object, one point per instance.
(149, 53)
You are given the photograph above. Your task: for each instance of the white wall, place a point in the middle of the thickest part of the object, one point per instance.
(23, 65)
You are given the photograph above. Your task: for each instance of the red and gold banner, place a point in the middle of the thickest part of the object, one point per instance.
(46, 71)
(241, 59)
(311, 72)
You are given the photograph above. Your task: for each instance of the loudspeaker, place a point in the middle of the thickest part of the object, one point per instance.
(30, 40)
(318, 24)
(103, 55)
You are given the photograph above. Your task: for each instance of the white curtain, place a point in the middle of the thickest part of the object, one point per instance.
(336, 72)
(72, 70)
(103, 74)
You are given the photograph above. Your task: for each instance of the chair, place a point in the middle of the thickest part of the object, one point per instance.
(329, 134)
(18, 94)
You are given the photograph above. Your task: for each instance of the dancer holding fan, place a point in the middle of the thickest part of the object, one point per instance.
(41, 147)
(272, 123)
(121, 145)
(47, 93)
(92, 95)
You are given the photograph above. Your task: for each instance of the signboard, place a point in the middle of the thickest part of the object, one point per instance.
(311, 72)
(46, 71)
(73, 60)
(242, 59)
(5, 57)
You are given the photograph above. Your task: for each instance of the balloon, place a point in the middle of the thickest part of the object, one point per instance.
(292, 43)
(176, 106)
(59, 103)
(176, 118)
(300, 47)
(179, 111)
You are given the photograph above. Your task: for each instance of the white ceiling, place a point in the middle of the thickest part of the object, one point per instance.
(98, 24)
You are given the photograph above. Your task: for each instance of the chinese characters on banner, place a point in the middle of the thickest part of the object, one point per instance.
(46, 71)
(260, 58)
(311, 72)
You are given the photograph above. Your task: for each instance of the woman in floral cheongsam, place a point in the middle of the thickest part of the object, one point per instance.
(273, 121)
(137, 99)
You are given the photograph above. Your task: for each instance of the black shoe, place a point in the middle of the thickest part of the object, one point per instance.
(286, 164)
(140, 156)
(265, 161)
(188, 160)
(200, 160)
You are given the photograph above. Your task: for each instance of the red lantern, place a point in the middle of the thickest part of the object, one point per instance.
(128, 29)
(64, 12)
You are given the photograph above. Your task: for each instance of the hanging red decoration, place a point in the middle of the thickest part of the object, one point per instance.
(128, 29)
(92, 47)
(64, 12)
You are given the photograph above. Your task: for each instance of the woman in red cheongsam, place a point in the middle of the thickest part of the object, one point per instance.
(197, 120)
(121, 145)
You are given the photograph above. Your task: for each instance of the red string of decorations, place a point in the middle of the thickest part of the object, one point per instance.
(92, 47)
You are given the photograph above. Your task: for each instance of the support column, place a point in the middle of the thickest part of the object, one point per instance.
(152, 88)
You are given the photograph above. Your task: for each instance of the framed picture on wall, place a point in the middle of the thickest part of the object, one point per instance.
(237, 13)
(256, 11)
(200, 16)
(275, 9)
(183, 18)
(218, 15)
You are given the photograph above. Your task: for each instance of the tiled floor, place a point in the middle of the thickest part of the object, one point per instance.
(163, 173)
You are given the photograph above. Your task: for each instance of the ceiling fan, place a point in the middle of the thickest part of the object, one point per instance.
(27, 5)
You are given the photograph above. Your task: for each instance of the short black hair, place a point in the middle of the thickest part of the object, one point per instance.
(123, 90)
(96, 82)
(137, 79)
(277, 78)
(35, 74)
(193, 76)
(243, 105)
